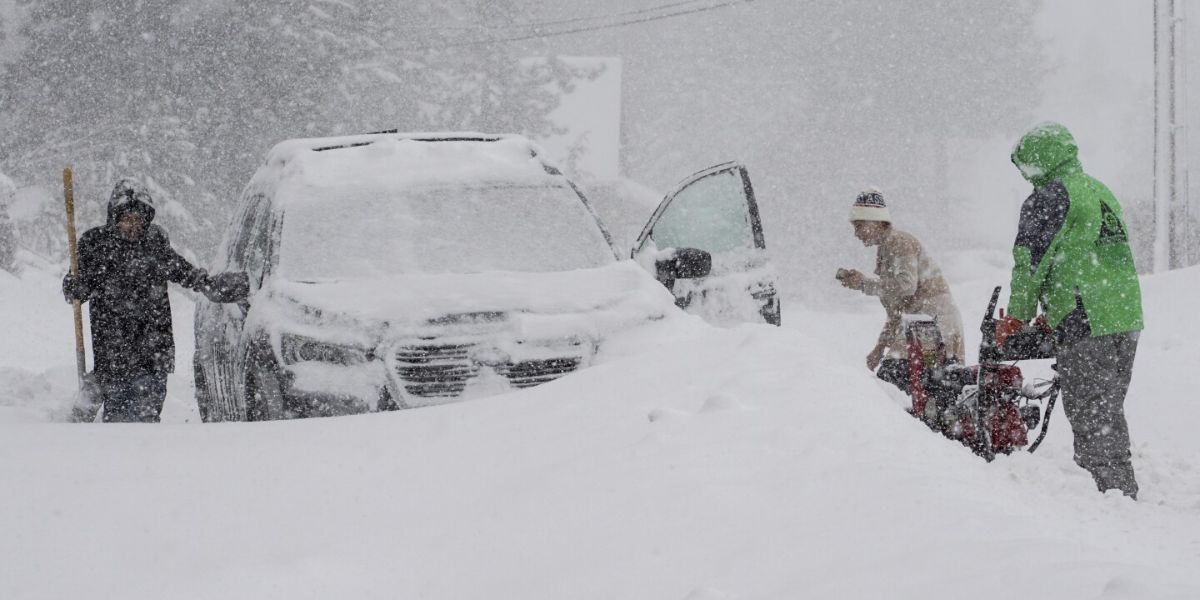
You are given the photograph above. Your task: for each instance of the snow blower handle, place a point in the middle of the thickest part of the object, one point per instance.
(989, 318)
(987, 344)
(72, 256)
(1035, 340)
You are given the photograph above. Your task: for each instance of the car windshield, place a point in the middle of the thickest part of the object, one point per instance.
(355, 233)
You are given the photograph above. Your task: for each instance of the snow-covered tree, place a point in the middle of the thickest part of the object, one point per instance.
(188, 95)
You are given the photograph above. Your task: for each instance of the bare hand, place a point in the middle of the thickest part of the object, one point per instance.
(853, 280)
(874, 358)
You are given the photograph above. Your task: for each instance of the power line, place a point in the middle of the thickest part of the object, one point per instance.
(534, 24)
(639, 11)
(583, 29)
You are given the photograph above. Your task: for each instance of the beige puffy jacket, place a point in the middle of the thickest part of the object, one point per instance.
(911, 283)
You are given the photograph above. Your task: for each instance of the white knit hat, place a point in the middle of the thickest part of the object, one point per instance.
(869, 206)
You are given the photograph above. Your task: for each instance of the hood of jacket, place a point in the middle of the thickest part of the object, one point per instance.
(1046, 153)
(129, 195)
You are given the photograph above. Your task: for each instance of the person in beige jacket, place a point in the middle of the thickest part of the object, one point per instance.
(908, 282)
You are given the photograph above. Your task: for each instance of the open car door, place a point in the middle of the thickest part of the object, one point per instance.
(705, 243)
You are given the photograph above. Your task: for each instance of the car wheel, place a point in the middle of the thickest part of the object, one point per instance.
(386, 402)
(264, 394)
(201, 385)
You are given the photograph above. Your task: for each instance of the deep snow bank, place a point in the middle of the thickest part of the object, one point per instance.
(691, 462)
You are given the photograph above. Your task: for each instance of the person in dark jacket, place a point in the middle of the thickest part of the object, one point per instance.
(1072, 257)
(124, 267)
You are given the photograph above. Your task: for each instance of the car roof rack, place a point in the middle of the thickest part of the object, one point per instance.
(284, 151)
(420, 137)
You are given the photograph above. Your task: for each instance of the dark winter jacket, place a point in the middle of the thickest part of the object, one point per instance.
(125, 283)
(1072, 253)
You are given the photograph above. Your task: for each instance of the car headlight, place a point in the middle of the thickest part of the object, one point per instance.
(297, 348)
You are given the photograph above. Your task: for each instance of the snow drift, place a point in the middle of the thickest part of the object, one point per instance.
(689, 462)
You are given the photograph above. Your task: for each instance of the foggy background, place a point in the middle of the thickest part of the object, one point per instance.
(819, 100)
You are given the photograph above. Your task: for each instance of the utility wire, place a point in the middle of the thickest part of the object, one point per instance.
(534, 24)
(640, 11)
(583, 29)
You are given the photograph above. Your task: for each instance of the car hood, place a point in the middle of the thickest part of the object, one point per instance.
(620, 291)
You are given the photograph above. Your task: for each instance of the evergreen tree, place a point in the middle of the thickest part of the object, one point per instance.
(188, 95)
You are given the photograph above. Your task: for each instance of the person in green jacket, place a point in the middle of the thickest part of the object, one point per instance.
(1072, 257)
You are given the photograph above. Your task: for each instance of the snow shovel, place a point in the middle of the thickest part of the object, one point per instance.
(87, 402)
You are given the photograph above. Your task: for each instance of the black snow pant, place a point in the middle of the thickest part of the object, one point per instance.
(1095, 374)
(139, 400)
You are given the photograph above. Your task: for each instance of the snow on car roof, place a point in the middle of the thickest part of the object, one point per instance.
(391, 160)
(286, 149)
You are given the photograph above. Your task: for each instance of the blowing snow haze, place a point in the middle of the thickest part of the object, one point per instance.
(578, 429)
(820, 101)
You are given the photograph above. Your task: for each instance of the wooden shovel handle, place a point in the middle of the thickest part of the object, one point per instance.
(72, 256)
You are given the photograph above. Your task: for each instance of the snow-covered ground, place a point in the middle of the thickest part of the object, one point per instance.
(690, 463)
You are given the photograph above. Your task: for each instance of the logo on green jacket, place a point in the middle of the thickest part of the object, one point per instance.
(1111, 229)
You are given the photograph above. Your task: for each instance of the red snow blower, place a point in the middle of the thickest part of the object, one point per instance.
(987, 407)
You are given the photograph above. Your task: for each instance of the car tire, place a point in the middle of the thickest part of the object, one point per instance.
(264, 393)
(386, 402)
(201, 386)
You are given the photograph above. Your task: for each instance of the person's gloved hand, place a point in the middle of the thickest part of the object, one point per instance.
(73, 288)
(1042, 325)
(227, 287)
(1006, 327)
(197, 279)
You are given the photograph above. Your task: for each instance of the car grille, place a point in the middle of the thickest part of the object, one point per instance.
(529, 373)
(435, 370)
(444, 370)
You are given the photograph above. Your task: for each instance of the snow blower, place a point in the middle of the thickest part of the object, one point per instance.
(987, 407)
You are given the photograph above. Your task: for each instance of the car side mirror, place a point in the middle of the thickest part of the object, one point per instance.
(684, 263)
(692, 263)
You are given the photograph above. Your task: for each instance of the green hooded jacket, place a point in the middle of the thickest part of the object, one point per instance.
(1072, 250)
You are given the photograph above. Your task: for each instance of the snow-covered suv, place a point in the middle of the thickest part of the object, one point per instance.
(398, 270)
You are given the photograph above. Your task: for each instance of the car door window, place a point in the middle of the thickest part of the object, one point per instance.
(245, 230)
(257, 249)
(710, 214)
(714, 211)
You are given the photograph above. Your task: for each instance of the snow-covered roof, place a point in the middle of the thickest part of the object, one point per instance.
(389, 160)
(420, 151)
